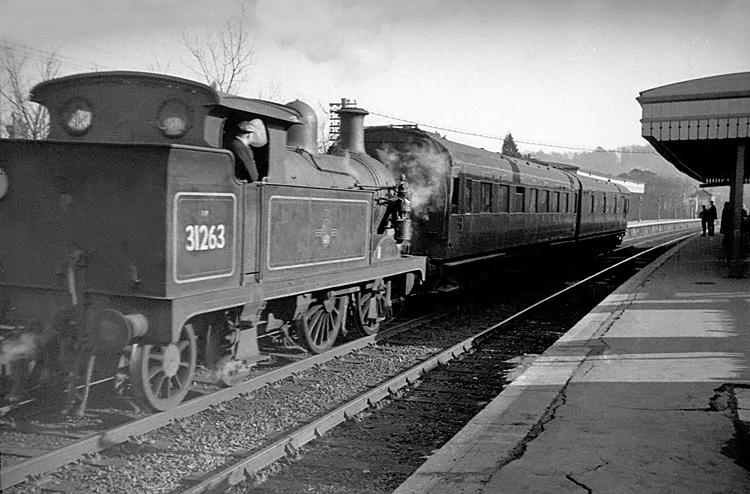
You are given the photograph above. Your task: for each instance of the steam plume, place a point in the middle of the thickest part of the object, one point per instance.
(426, 169)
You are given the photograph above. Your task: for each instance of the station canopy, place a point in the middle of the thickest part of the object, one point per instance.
(697, 125)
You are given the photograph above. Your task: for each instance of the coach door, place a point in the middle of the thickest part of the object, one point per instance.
(250, 234)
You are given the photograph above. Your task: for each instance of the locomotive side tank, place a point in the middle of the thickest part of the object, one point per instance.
(471, 204)
(131, 216)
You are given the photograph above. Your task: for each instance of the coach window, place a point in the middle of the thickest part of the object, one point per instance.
(485, 195)
(615, 206)
(543, 202)
(592, 203)
(566, 202)
(455, 195)
(556, 202)
(604, 203)
(520, 204)
(502, 198)
(627, 205)
(533, 199)
(467, 198)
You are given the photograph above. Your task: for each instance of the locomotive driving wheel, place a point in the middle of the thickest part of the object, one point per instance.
(320, 324)
(161, 375)
(370, 310)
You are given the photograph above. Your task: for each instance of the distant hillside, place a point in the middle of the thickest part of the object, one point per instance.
(624, 160)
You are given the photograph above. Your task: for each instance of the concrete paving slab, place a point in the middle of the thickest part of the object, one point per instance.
(633, 399)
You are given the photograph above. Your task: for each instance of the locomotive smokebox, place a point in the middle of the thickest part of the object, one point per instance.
(352, 133)
(304, 135)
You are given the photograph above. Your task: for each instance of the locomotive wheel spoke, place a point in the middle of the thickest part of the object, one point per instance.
(159, 383)
(153, 372)
(162, 375)
(176, 379)
(320, 325)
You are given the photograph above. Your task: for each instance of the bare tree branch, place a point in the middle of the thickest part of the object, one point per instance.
(273, 92)
(323, 129)
(158, 67)
(223, 57)
(25, 119)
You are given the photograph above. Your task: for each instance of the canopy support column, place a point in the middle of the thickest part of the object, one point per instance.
(736, 269)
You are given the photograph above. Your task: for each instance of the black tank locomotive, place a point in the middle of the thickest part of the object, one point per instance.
(128, 233)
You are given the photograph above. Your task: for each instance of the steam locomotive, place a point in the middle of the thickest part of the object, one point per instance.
(128, 232)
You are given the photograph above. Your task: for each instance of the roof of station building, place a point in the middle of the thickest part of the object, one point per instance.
(697, 124)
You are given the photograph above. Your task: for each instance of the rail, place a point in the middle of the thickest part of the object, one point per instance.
(99, 441)
(288, 445)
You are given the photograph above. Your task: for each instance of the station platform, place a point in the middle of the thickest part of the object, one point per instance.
(646, 394)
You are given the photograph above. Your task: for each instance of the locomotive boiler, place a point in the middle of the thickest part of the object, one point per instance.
(127, 232)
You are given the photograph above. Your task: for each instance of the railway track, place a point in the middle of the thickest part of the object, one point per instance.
(452, 389)
(151, 436)
(57, 443)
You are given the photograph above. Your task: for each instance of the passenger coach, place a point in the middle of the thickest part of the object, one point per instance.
(471, 204)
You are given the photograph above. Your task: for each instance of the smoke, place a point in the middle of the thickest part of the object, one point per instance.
(426, 169)
(346, 163)
(20, 346)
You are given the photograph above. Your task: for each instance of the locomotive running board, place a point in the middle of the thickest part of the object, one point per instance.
(474, 259)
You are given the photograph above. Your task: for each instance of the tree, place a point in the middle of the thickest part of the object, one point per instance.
(223, 56)
(509, 146)
(23, 118)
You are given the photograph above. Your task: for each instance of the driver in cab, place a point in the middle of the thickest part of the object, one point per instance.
(240, 141)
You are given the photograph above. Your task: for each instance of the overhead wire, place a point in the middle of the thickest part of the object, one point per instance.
(88, 65)
(34, 51)
(109, 41)
(501, 138)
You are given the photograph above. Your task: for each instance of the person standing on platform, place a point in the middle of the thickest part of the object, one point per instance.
(711, 218)
(704, 214)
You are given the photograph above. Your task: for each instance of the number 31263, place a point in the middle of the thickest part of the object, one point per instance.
(204, 237)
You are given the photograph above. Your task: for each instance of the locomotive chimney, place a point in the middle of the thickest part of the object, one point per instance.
(352, 132)
(304, 135)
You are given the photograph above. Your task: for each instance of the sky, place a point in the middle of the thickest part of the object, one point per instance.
(562, 73)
